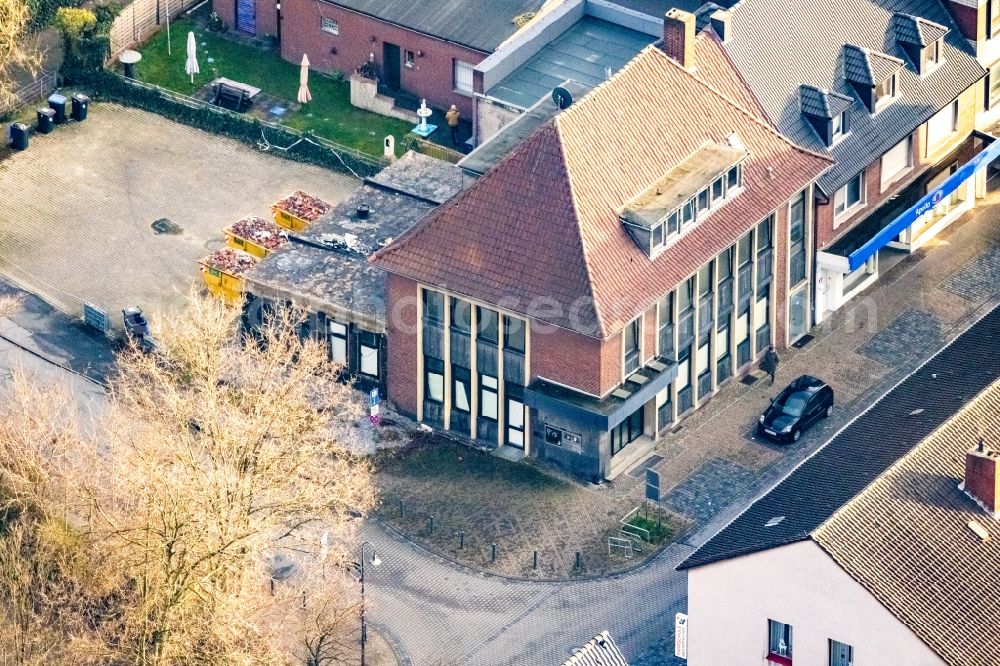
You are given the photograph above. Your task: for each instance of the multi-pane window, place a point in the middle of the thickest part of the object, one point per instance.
(930, 55)
(627, 431)
(336, 336)
(779, 638)
(368, 345)
(433, 306)
(463, 76)
(513, 333)
(487, 325)
(488, 397)
(850, 195)
(797, 239)
(841, 654)
(434, 379)
(665, 329)
(707, 199)
(632, 335)
(460, 398)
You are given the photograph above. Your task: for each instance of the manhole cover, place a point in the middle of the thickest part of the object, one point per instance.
(165, 226)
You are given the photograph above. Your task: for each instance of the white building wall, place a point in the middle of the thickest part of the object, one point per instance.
(730, 602)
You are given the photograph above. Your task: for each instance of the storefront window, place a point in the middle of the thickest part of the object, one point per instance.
(627, 431)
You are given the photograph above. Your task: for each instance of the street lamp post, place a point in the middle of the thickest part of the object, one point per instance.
(375, 561)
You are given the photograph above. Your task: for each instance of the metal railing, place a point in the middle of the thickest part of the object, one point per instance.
(40, 87)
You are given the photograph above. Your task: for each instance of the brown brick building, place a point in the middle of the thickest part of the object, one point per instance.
(607, 275)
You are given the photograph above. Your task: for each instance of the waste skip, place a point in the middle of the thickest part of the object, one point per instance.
(80, 104)
(57, 103)
(46, 117)
(19, 136)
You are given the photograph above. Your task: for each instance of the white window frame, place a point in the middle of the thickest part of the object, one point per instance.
(337, 333)
(368, 356)
(463, 77)
(841, 196)
(906, 146)
(885, 100)
(409, 58)
(329, 25)
(944, 122)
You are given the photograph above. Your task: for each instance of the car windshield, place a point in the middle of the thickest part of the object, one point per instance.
(793, 403)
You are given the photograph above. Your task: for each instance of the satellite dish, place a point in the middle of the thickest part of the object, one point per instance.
(562, 97)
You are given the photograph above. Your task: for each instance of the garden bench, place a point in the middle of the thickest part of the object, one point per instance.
(233, 94)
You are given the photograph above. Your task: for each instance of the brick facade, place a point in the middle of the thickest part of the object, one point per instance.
(266, 15)
(566, 358)
(968, 19)
(432, 74)
(968, 104)
(401, 329)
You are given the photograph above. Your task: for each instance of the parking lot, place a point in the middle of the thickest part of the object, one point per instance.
(78, 206)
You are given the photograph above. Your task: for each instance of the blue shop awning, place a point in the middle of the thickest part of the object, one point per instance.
(886, 234)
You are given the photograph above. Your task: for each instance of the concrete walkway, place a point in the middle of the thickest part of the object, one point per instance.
(439, 613)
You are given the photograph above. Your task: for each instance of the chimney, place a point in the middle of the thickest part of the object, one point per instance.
(678, 37)
(720, 23)
(982, 480)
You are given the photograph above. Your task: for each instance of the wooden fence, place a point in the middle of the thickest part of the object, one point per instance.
(140, 19)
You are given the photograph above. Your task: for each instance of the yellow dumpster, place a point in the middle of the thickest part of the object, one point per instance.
(298, 210)
(255, 235)
(222, 271)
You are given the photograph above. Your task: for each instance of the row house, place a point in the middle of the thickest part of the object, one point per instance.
(979, 22)
(871, 555)
(890, 91)
(606, 276)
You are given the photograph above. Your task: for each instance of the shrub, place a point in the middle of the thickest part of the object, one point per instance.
(73, 23)
(43, 12)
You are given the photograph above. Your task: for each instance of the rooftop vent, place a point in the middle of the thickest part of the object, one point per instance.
(982, 482)
(363, 211)
(774, 522)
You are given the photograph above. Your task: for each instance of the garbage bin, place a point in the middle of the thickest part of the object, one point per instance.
(57, 103)
(80, 104)
(46, 117)
(19, 136)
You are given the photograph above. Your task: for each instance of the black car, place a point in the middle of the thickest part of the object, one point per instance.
(798, 406)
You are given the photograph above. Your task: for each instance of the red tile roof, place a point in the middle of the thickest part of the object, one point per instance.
(539, 233)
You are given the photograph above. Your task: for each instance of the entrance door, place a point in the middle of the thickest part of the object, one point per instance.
(390, 65)
(246, 16)
(515, 423)
(798, 314)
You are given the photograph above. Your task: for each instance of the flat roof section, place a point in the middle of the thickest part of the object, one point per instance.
(583, 53)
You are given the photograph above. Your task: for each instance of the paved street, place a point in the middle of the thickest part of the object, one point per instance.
(78, 205)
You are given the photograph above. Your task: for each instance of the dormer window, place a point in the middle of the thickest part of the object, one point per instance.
(930, 56)
(886, 91)
(684, 196)
(839, 125)
(921, 40)
(827, 111)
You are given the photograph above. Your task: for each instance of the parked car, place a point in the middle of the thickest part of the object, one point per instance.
(798, 406)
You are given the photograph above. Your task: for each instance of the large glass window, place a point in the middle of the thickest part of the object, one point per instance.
(764, 230)
(461, 315)
(513, 333)
(725, 265)
(487, 325)
(515, 416)
(779, 638)
(369, 353)
(705, 280)
(434, 379)
(627, 431)
(336, 336)
(433, 306)
(685, 293)
(744, 249)
(850, 195)
(841, 654)
(665, 329)
(488, 397)
(632, 336)
(461, 380)
(797, 239)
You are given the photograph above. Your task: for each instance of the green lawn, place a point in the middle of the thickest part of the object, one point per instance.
(330, 114)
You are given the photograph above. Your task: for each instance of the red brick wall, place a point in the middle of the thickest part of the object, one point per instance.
(967, 19)
(267, 15)
(431, 76)
(566, 357)
(401, 324)
(611, 364)
(981, 479)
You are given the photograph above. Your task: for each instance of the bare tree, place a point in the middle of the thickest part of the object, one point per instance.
(213, 459)
(16, 52)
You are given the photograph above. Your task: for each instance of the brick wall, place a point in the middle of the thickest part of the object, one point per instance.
(401, 301)
(566, 357)
(968, 103)
(431, 76)
(266, 11)
(971, 20)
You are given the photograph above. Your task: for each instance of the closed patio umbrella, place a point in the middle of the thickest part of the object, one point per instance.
(304, 94)
(191, 67)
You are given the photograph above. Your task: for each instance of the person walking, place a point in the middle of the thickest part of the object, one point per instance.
(452, 117)
(769, 363)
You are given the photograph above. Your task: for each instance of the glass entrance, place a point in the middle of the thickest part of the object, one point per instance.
(798, 314)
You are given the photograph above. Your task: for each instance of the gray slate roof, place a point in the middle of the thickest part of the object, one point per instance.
(868, 67)
(778, 46)
(823, 103)
(915, 30)
(863, 451)
(477, 24)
